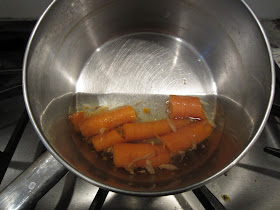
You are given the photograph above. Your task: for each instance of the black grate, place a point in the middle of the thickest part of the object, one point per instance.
(207, 199)
(99, 199)
(13, 38)
(7, 154)
(275, 110)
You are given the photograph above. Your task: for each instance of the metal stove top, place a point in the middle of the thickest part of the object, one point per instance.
(252, 184)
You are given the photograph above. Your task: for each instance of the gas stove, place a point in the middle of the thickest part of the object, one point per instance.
(252, 184)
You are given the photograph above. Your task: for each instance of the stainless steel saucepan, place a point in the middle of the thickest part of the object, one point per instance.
(116, 52)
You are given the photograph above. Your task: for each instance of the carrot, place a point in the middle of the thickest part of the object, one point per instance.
(185, 106)
(146, 110)
(145, 130)
(106, 140)
(187, 136)
(108, 120)
(76, 119)
(136, 155)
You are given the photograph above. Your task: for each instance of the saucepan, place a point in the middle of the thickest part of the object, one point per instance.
(90, 53)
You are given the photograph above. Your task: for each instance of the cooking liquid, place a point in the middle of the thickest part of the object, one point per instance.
(158, 110)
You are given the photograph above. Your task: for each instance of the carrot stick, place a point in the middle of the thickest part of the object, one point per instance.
(108, 120)
(135, 155)
(145, 130)
(185, 106)
(185, 137)
(76, 119)
(106, 140)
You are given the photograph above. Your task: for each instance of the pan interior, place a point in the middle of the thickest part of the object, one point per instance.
(142, 70)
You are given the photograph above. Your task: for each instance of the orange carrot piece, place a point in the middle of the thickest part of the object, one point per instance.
(185, 137)
(108, 120)
(76, 119)
(135, 155)
(106, 140)
(146, 110)
(185, 106)
(145, 130)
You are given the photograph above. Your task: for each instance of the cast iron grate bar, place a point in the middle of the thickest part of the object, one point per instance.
(99, 199)
(207, 199)
(272, 151)
(8, 153)
(10, 71)
(10, 92)
(11, 83)
(275, 110)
